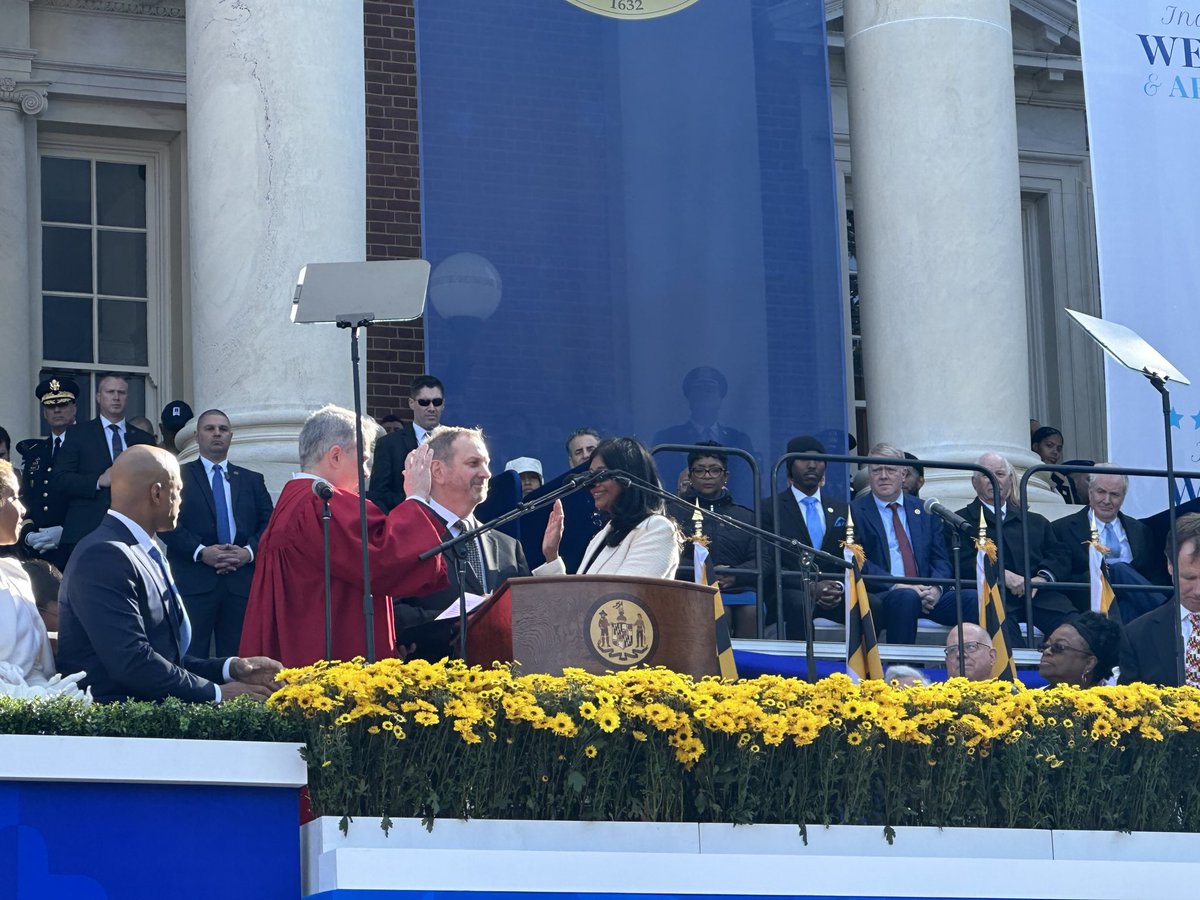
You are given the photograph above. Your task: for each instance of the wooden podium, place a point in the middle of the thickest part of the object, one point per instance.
(598, 623)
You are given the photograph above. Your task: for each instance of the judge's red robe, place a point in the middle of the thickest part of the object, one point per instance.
(285, 615)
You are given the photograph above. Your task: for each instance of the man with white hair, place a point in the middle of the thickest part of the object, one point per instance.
(976, 652)
(1048, 561)
(1133, 555)
(285, 616)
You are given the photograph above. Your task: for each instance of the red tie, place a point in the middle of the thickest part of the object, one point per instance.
(906, 554)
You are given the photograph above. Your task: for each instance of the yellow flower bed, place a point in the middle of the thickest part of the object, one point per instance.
(419, 739)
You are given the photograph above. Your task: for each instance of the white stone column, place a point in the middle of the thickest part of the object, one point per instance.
(933, 138)
(276, 179)
(19, 102)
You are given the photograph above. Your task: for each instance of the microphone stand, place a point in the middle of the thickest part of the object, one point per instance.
(955, 548)
(809, 559)
(325, 516)
(524, 508)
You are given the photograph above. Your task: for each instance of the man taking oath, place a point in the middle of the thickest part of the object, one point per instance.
(286, 610)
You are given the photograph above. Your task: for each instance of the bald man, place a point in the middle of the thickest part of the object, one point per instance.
(978, 654)
(121, 619)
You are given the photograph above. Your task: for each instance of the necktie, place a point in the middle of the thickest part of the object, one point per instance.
(474, 560)
(184, 623)
(54, 452)
(1108, 537)
(224, 533)
(906, 550)
(1191, 653)
(117, 447)
(814, 520)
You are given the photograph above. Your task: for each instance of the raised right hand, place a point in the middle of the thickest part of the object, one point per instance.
(554, 532)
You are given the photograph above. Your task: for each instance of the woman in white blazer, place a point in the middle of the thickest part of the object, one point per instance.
(638, 538)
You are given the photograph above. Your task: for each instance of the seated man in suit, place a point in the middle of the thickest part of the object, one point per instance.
(81, 475)
(809, 515)
(1132, 557)
(211, 551)
(121, 619)
(426, 399)
(459, 477)
(1048, 559)
(1151, 650)
(899, 539)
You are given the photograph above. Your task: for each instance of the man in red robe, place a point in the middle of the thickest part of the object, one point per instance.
(285, 615)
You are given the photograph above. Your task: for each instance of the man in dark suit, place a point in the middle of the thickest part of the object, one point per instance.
(705, 388)
(81, 477)
(46, 508)
(459, 477)
(1132, 556)
(899, 539)
(426, 399)
(1151, 650)
(211, 551)
(121, 618)
(1048, 561)
(804, 509)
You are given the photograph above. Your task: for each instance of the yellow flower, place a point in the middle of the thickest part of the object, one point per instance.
(854, 739)
(590, 751)
(608, 719)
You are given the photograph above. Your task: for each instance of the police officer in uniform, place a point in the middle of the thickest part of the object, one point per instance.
(44, 508)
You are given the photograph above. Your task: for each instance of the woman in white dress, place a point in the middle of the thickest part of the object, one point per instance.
(24, 645)
(638, 539)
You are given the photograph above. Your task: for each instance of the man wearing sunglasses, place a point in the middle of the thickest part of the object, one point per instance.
(427, 402)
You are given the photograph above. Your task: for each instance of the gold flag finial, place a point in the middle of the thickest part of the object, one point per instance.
(698, 536)
(849, 527)
(982, 524)
(1092, 522)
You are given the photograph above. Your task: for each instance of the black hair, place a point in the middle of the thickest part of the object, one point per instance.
(5, 439)
(629, 455)
(425, 381)
(391, 417)
(1103, 637)
(723, 458)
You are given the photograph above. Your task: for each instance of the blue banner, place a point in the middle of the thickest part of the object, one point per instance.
(633, 226)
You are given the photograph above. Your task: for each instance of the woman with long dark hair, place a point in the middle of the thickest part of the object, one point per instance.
(638, 539)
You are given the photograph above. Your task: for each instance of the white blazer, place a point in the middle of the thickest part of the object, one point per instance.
(650, 550)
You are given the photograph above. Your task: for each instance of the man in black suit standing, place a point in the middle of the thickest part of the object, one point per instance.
(121, 618)
(211, 551)
(459, 477)
(808, 515)
(1151, 649)
(1132, 556)
(426, 400)
(81, 477)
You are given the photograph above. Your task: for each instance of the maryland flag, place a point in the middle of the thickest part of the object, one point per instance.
(724, 642)
(991, 607)
(1104, 600)
(862, 643)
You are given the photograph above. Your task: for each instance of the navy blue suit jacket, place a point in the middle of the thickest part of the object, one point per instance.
(84, 457)
(924, 533)
(119, 623)
(197, 526)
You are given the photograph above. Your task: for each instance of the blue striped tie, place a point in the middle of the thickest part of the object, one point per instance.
(218, 489)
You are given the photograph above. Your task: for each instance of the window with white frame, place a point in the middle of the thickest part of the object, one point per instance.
(99, 271)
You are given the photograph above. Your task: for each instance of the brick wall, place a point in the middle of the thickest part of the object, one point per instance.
(395, 353)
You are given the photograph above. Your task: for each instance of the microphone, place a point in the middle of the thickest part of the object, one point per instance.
(322, 489)
(951, 518)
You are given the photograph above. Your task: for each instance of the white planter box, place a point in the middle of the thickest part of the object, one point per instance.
(533, 858)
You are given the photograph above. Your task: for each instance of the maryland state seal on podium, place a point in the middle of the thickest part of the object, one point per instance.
(622, 630)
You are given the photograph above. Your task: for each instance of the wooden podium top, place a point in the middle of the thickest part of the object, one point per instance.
(598, 623)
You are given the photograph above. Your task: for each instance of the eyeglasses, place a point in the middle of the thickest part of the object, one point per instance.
(430, 401)
(702, 471)
(1058, 647)
(968, 647)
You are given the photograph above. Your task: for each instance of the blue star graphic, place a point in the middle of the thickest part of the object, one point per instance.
(1196, 420)
(1176, 418)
